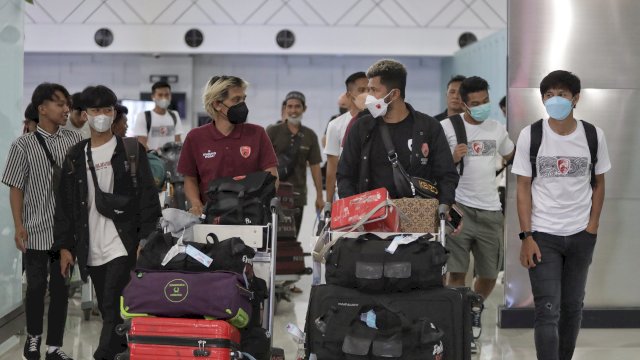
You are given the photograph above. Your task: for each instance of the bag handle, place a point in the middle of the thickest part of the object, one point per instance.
(320, 250)
(213, 237)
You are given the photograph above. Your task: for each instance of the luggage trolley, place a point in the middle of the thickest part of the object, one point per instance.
(263, 239)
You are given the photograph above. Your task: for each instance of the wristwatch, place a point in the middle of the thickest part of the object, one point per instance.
(525, 234)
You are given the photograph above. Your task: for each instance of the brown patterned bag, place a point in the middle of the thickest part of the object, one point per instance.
(417, 215)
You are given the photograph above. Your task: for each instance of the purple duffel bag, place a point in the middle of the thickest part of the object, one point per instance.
(219, 295)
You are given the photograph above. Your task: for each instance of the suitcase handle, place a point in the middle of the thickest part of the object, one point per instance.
(201, 351)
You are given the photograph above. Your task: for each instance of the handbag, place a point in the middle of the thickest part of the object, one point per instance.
(240, 200)
(229, 255)
(406, 185)
(372, 264)
(287, 159)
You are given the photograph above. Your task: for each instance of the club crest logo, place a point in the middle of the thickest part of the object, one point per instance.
(477, 147)
(245, 151)
(176, 290)
(563, 165)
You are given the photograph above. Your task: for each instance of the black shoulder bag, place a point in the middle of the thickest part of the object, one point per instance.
(287, 159)
(406, 185)
(112, 206)
(57, 170)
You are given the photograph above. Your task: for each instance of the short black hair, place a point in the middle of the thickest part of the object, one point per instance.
(393, 75)
(471, 85)
(76, 101)
(160, 85)
(503, 102)
(121, 111)
(98, 96)
(560, 79)
(46, 91)
(353, 77)
(31, 113)
(456, 78)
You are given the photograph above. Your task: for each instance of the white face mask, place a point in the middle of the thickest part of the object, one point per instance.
(162, 103)
(377, 107)
(295, 120)
(100, 123)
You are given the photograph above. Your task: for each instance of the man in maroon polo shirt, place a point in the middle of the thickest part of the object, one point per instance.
(225, 147)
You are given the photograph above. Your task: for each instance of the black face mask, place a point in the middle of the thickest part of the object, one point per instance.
(342, 110)
(237, 114)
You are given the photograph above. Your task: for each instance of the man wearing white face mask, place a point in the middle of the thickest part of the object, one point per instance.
(477, 194)
(418, 139)
(296, 146)
(560, 193)
(161, 125)
(106, 205)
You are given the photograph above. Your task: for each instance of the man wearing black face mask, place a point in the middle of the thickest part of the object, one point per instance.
(107, 203)
(225, 147)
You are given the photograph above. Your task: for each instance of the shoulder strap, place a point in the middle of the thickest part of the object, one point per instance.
(173, 116)
(536, 140)
(46, 149)
(131, 148)
(147, 116)
(461, 135)
(404, 186)
(592, 141)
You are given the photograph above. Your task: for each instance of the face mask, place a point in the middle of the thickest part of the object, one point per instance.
(558, 107)
(480, 112)
(100, 123)
(295, 120)
(377, 107)
(237, 114)
(162, 103)
(342, 110)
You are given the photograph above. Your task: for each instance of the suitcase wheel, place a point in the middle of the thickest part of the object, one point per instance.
(122, 330)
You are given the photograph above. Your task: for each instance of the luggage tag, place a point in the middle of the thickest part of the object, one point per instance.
(400, 240)
(199, 256)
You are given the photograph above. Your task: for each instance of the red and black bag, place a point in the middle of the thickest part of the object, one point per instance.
(290, 258)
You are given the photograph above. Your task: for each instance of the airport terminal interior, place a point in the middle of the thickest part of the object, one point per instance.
(284, 46)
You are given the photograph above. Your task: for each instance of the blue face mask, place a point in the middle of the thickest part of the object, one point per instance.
(558, 107)
(480, 112)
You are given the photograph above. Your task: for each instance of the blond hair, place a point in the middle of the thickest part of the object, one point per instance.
(217, 89)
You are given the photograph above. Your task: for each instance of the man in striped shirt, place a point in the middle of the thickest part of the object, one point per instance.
(30, 173)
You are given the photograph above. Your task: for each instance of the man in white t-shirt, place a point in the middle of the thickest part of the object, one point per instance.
(159, 126)
(356, 84)
(104, 236)
(477, 193)
(559, 204)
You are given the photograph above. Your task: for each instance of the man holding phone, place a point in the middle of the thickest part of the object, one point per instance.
(477, 193)
(560, 195)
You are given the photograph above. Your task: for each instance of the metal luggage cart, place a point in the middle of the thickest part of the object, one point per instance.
(263, 240)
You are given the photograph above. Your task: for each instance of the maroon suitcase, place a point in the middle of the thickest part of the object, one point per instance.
(289, 258)
(169, 338)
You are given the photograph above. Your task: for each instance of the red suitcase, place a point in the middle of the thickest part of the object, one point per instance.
(152, 338)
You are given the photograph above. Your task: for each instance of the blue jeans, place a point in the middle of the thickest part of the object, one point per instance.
(558, 284)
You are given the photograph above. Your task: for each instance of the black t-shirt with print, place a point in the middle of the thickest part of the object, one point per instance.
(381, 170)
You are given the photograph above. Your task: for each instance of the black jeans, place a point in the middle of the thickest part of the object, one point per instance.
(39, 265)
(109, 280)
(558, 285)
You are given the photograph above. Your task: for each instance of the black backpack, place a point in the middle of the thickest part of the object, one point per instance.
(536, 141)
(240, 200)
(461, 135)
(147, 117)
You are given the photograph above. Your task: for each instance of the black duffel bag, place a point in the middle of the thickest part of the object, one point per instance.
(340, 326)
(362, 263)
(240, 200)
(229, 255)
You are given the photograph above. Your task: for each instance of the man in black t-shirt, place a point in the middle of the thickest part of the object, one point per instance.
(417, 138)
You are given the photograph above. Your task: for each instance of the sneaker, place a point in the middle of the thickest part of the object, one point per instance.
(32, 348)
(476, 315)
(474, 347)
(58, 354)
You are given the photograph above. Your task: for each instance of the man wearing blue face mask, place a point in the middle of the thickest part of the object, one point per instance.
(560, 163)
(477, 193)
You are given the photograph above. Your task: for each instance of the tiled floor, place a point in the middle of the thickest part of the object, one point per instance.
(81, 336)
